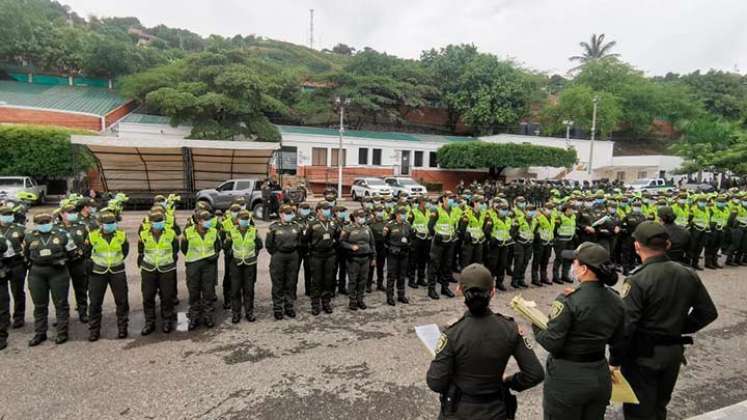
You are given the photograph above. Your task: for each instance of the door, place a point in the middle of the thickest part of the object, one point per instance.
(405, 164)
(225, 195)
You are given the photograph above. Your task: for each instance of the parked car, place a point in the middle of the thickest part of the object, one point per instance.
(402, 185)
(221, 197)
(370, 187)
(699, 187)
(649, 184)
(10, 186)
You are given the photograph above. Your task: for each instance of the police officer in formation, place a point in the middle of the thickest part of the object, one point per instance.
(283, 243)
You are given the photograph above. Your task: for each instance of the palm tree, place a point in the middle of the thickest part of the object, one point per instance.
(595, 50)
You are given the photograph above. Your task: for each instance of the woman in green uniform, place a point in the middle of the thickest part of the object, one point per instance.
(582, 323)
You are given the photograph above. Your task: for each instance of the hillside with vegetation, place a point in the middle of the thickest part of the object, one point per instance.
(236, 87)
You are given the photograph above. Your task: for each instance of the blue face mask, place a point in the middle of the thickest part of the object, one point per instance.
(379, 214)
(342, 216)
(7, 219)
(288, 217)
(720, 204)
(45, 228)
(243, 223)
(612, 211)
(531, 213)
(72, 217)
(360, 220)
(521, 205)
(701, 205)
(450, 202)
(109, 227)
(636, 209)
(207, 224)
(234, 214)
(327, 213)
(304, 212)
(681, 202)
(599, 201)
(503, 213)
(159, 225)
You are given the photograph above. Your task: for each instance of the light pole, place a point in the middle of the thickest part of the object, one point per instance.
(340, 103)
(568, 125)
(593, 130)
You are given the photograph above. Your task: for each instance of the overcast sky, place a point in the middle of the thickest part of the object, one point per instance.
(654, 35)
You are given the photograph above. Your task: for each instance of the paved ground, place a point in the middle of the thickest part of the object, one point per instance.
(347, 365)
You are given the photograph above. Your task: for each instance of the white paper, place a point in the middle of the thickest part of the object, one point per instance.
(428, 335)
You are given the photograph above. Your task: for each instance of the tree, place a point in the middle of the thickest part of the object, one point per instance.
(576, 103)
(40, 152)
(497, 156)
(594, 50)
(722, 93)
(343, 49)
(706, 142)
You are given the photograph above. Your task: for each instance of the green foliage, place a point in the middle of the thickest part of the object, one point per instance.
(708, 142)
(40, 152)
(595, 50)
(722, 93)
(576, 103)
(477, 155)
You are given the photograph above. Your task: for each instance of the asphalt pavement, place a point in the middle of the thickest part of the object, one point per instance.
(364, 365)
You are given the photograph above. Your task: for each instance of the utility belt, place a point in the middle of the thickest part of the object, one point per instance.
(582, 358)
(438, 238)
(644, 343)
(49, 263)
(451, 399)
(287, 251)
(499, 243)
(397, 251)
(15, 260)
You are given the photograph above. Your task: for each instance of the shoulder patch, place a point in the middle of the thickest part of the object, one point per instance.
(527, 342)
(569, 291)
(441, 344)
(626, 288)
(557, 309)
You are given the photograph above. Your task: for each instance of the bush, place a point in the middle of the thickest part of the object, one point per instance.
(480, 155)
(40, 152)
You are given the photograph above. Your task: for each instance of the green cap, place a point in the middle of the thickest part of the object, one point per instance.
(475, 276)
(588, 253)
(665, 211)
(107, 217)
(647, 231)
(5, 210)
(155, 216)
(43, 218)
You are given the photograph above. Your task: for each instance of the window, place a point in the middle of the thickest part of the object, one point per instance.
(621, 175)
(642, 174)
(228, 186)
(433, 160)
(376, 157)
(362, 156)
(335, 151)
(319, 156)
(244, 185)
(418, 162)
(28, 183)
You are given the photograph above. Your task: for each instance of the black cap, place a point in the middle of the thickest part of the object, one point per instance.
(588, 253)
(475, 276)
(647, 231)
(155, 216)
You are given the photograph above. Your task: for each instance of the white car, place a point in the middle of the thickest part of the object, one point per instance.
(405, 185)
(649, 184)
(370, 187)
(10, 186)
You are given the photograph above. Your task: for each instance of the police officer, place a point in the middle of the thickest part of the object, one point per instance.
(242, 244)
(321, 241)
(719, 217)
(582, 322)
(158, 249)
(565, 233)
(229, 221)
(283, 241)
(442, 226)
(342, 219)
(472, 230)
(76, 264)
(543, 242)
(629, 223)
(358, 240)
(46, 248)
(398, 236)
(420, 248)
(472, 354)
(523, 229)
(201, 247)
(499, 225)
(305, 218)
(14, 263)
(5, 245)
(663, 301)
(377, 223)
(678, 235)
(109, 249)
(700, 228)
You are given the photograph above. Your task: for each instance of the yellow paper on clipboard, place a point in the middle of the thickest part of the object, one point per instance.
(529, 311)
(622, 392)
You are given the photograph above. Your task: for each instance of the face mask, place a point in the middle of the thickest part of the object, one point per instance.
(720, 204)
(7, 219)
(521, 205)
(72, 217)
(109, 227)
(389, 205)
(403, 215)
(45, 228)
(379, 214)
(304, 212)
(450, 202)
(599, 201)
(234, 214)
(636, 209)
(159, 225)
(612, 211)
(531, 213)
(646, 201)
(431, 206)
(369, 205)
(92, 210)
(288, 217)
(744, 203)
(588, 203)
(681, 202)
(243, 223)
(572, 274)
(342, 216)
(702, 205)
(327, 213)
(483, 207)
(207, 224)
(503, 213)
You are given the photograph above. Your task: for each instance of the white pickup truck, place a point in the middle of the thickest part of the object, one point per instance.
(649, 184)
(10, 186)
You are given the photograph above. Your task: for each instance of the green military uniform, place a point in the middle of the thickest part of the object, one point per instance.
(398, 235)
(377, 224)
(420, 248)
(109, 248)
(628, 226)
(442, 227)
(321, 241)
(471, 357)
(227, 222)
(201, 247)
(283, 241)
(719, 218)
(582, 322)
(242, 244)
(342, 219)
(700, 228)
(501, 242)
(678, 236)
(158, 249)
(47, 248)
(542, 247)
(358, 241)
(663, 300)
(565, 233)
(305, 218)
(472, 231)
(76, 264)
(522, 231)
(14, 263)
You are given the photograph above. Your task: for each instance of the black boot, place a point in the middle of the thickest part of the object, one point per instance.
(122, 333)
(557, 281)
(412, 284)
(362, 305)
(290, 313)
(278, 316)
(403, 299)
(193, 324)
(167, 327)
(523, 284)
(236, 317)
(432, 293)
(94, 335)
(390, 300)
(499, 285)
(17, 323)
(83, 316)
(148, 329)
(250, 316)
(447, 292)
(515, 284)
(61, 338)
(38, 339)
(327, 308)
(3, 344)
